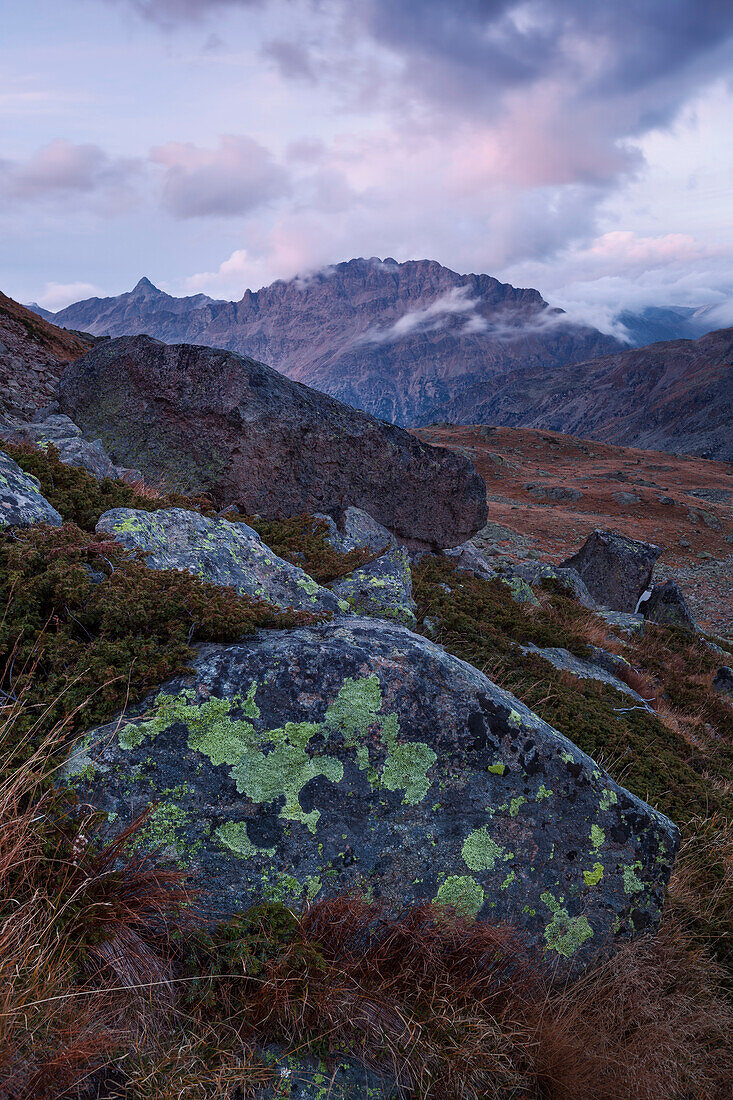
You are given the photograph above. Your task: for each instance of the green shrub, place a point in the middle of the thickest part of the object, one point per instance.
(302, 540)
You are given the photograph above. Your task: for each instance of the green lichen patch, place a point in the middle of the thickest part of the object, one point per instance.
(462, 893)
(564, 934)
(481, 853)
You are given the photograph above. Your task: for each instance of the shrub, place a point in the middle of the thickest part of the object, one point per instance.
(302, 540)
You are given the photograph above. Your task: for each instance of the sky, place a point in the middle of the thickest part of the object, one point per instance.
(583, 147)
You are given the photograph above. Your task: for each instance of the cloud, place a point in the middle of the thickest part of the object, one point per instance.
(432, 317)
(233, 179)
(61, 170)
(56, 296)
(292, 59)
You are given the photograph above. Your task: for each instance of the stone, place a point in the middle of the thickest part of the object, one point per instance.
(467, 558)
(357, 755)
(723, 681)
(219, 552)
(535, 572)
(615, 569)
(667, 606)
(67, 438)
(21, 502)
(564, 660)
(381, 588)
(210, 421)
(556, 493)
(360, 531)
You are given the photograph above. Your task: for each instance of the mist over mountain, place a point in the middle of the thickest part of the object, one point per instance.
(400, 340)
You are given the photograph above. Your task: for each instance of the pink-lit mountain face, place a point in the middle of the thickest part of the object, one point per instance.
(402, 341)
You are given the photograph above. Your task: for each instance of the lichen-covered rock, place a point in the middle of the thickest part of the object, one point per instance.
(208, 420)
(358, 755)
(667, 606)
(21, 503)
(219, 552)
(381, 588)
(67, 438)
(303, 1076)
(566, 661)
(534, 572)
(615, 569)
(360, 531)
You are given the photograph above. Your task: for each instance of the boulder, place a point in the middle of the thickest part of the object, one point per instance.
(361, 531)
(219, 552)
(210, 421)
(534, 572)
(66, 436)
(356, 755)
(381, 588)
(467, 558)
(566, 661)
(667, 606)
(615, 569)
(21, 503)
(723, 681)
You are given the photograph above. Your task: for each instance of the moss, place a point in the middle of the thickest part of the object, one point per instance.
(462, 893)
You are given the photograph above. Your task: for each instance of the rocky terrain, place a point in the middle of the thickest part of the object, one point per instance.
(548, 491)
(314, 727)
(398, 340)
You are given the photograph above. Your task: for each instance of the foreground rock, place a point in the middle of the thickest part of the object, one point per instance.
(357, 755)
(211, 421)
(67, 438)
(616, 570)
(217, 551)
(21, 503)
(382, 588)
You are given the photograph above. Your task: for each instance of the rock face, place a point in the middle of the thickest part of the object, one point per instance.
(615, 569)
(357, 755)
(382, 588)
(33, 354)
(666, 605)
(21, 503)
(219, 552)
(402, 341)
(212, 421)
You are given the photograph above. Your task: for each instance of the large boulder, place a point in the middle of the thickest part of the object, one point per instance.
(21, 502)
(381, 588)
(615, 569)
(358, 755)
(219, 552)
(211, 421)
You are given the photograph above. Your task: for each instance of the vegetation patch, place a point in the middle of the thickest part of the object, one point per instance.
(303, 541)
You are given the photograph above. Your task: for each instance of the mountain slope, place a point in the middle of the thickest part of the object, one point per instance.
(398, 340)
(32, 355)
(674, 396)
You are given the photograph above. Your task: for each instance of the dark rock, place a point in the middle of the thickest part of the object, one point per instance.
(382, 588)
(211, 421)
(21, 502)
(615, 569)
(667, 606)
(469, 559)
(276, 756)
(723, 681)
(535, 572)
(557, 493)
(219, 552)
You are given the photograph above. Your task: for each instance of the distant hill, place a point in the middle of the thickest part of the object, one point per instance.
(32, 355)
(672, 396)
(398, 340)
(655, 323)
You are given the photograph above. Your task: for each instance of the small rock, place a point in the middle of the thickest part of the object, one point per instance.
(219, 552)
(382, 588)
(21, 502)
(723, 681)
(469, 559)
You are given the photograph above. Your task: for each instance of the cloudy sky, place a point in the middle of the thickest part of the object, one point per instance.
(583, 147)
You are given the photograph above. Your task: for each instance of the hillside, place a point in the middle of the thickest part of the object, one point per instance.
(547, 492)
(674, 396)
(32, 355)
(401, 341)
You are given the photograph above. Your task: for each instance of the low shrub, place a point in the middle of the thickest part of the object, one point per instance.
(303, 541)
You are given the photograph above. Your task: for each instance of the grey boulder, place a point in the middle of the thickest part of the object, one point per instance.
(219, 552)
(356, 755)
(615, 569)
(534, 572)
(382, 588)
(667, 606)
(67, 438)
(21, 502)
(467, 558)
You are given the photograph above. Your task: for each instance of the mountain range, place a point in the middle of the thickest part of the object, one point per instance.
(401, 341)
